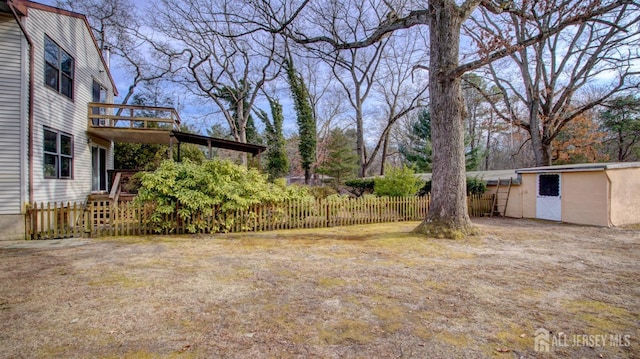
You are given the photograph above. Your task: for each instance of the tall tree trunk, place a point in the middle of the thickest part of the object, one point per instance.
(541, 152)
(488, 143)
(448, 215)
(385, 150)
(360, 146)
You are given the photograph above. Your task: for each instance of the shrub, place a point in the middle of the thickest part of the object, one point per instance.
(280, 182)
(322, 191)
(133, 185)
(475, 185)
(360, 186)
(397, 182)
(200, 187)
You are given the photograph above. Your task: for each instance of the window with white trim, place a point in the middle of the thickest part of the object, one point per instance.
(58, 154)
(58, 68)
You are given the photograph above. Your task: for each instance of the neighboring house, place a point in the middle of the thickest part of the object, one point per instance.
(52, 68)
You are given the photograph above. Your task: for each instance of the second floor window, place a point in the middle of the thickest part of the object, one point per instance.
(59, 68)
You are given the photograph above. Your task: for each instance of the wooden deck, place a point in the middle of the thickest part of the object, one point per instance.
(132, 124)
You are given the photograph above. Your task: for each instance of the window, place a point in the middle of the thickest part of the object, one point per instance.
(549, 185)
(99, 94)
(58, 68)
(58, 154)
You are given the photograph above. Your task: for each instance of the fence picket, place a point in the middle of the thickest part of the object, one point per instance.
(103, 218)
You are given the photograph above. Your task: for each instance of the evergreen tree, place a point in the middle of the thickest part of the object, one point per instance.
(306, 121)
(277, 161)
(621, 120)
(342, 160)
(417, 152)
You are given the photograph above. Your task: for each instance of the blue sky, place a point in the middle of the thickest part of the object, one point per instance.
(191, 111)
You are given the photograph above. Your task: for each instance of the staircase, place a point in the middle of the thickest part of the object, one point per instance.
(501, 198)
(100, 204)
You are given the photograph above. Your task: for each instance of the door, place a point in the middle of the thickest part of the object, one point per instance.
(99, 169)
(549, 198)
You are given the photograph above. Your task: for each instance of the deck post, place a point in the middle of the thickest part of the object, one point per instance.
(171, 146)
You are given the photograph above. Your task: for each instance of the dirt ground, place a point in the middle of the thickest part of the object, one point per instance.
(357, 292)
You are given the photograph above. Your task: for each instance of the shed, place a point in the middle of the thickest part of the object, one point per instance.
(600, 194)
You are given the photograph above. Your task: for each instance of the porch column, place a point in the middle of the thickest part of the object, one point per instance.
(170, 147)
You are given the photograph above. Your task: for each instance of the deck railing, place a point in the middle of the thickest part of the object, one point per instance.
(104, 115)
(108, 218)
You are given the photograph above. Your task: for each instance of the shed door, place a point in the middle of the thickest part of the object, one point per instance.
(548, 201)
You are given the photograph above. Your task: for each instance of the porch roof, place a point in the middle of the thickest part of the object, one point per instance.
(217, 142)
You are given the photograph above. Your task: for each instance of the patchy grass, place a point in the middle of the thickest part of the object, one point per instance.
(362, 291)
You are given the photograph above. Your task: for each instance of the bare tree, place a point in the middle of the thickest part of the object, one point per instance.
(448, 214)
(355, 70)
(116, 27)
(553, 77)
(228, 70)
(400, 88)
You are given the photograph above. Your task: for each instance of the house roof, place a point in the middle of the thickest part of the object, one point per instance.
(580, 167)
(22, 8)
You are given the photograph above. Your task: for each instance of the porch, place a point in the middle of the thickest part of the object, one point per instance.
(140, 124)
(132, 124)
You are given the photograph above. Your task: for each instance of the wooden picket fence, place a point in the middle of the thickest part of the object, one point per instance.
(105, 218)
(55, 220)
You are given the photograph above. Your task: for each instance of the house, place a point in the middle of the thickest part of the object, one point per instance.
(59, 123)
(52, 68)
(600, 194)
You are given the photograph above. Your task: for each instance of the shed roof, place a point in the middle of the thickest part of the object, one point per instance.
(580, 167)
(489, 176)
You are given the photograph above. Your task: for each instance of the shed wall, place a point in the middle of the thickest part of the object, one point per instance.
(585, 198)
(514, 205)
(528, 195)
(625, 196)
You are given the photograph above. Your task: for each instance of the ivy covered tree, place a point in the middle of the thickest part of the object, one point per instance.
(277, 161)
(341, 162)
(306, 121)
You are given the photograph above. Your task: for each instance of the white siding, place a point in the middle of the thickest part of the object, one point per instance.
(12, 108)
(58, 111)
